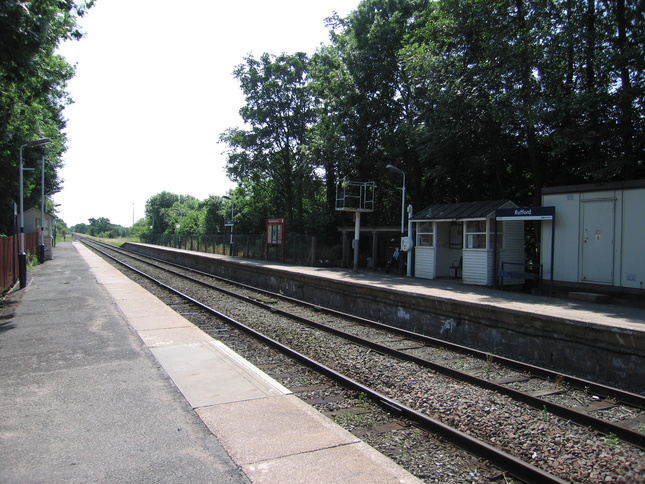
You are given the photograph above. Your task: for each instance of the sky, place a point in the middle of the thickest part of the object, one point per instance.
(154, 90)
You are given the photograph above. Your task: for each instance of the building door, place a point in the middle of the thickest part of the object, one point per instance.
(598, 241)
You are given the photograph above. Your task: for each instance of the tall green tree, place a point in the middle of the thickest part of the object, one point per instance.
(165, 211)
(473, 99)
(374, 98)
(33, 92)
(278, 110)
(526, 93)
(157, 208)
(100, 226)
(327, 147)
(216, 212)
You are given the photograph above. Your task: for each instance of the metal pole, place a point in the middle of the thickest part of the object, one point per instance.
(231, 242)
(357, 236)
(22, 257)
(403, 205)
(41, 247)
(402, 223)
(409, 274)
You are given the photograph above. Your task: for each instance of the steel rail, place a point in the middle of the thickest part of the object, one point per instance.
(588, 386)
(514, 466)
(580, 418)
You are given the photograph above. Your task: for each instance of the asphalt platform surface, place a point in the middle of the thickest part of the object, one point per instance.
(102, 383)
(83, 401)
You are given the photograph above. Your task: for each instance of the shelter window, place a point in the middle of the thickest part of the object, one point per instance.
(425, 234)
(476, 234)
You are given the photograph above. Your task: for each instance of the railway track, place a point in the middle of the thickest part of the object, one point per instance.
(562, 406)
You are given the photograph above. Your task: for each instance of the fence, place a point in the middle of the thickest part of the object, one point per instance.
(9, 247)
(300, 249)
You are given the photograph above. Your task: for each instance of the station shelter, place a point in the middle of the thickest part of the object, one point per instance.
(458, 240)
(34, 223)
(598, 236)
(380, 244)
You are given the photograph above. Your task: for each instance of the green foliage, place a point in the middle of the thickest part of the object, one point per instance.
(33, 92)
(166, 211)
(278, 110)
(473, 99)
(101, 227)
(526, 94)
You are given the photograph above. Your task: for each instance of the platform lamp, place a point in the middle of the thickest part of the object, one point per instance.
(22, 257)
(398, 170)
(231, 223)
(41, 240)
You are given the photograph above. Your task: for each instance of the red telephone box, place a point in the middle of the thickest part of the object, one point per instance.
(276, 234)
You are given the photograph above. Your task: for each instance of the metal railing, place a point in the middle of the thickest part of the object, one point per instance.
(300, 249)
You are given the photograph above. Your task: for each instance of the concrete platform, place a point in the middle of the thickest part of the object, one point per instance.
(104, 383)
(590, 297)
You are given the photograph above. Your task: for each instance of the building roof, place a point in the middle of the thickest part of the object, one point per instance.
(461, 211)
(37, 212)
(595, 187)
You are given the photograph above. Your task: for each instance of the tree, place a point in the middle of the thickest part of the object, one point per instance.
(372, 100)
(185, 216)
(278, 109)
(100, 227)
(216, 212)
(473, 99)
(157, 210)
(32, 86)
(81, 228)
(526, 93)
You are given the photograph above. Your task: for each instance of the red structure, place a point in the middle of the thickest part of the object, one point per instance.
(276, 235)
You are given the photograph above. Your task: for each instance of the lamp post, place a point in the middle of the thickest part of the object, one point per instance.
(41, 245)
(231, 224)
(22, 257)
(409, 253)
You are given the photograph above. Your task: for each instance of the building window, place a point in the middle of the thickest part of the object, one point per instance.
(476, 234)
(425, 234)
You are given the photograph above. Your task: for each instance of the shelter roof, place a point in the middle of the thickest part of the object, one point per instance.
(36, 211)
(461, 211)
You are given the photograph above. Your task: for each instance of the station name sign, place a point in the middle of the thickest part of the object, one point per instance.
(525, 213)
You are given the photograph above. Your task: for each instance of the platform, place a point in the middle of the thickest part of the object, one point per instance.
(104, 383)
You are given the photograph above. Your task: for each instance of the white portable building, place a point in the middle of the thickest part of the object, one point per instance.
(599, 233)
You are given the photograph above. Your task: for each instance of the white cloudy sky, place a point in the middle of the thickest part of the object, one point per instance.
(154, 90)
